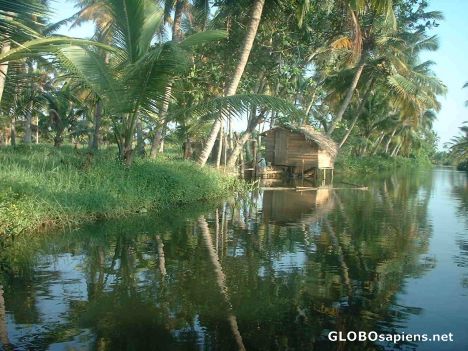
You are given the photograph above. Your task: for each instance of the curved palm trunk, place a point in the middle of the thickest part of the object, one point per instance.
(387, 145)
(3, 68)
(377, 143)
(243, 139)
(348, 97)
(220, 280)
(358, 113)
(232, 88)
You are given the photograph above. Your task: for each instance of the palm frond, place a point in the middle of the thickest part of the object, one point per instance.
(48, 45)
(203, 38)
(237, 106)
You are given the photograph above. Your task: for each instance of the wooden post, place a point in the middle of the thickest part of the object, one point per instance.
(303, 170)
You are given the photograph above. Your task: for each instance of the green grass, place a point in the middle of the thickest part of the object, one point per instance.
(349, 165)
(43, 187)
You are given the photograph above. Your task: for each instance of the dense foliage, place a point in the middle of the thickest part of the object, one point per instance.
(192, 72)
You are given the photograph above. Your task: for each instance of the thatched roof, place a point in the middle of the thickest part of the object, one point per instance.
(313, 136)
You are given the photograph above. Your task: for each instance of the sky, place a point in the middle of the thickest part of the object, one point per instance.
(451, 58)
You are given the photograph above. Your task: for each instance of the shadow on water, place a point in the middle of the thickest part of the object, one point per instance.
(274, 271)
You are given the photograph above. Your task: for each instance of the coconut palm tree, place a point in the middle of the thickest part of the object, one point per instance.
(458, 146)
(133, 83)
(360, 42)
(231, 88)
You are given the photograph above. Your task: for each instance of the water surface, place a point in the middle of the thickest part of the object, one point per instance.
(276, 271)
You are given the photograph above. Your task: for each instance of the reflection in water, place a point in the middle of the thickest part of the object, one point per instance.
(275, 271)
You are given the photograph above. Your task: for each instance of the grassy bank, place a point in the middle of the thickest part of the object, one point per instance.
(353, 165)
(42, 187)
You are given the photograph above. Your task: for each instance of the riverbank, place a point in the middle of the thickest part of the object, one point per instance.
(43, 187)
(353, 165)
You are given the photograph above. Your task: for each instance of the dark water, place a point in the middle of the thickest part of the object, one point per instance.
(277, 271)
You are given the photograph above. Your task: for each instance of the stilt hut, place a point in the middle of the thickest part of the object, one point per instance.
(299, 150)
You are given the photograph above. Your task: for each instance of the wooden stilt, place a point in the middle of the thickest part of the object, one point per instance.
(302, 170)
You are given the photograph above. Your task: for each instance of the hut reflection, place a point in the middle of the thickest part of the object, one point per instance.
(291, 206)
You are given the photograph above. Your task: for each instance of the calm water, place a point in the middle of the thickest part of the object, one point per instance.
(277, 271)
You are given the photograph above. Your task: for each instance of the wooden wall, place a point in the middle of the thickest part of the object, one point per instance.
(298, 149)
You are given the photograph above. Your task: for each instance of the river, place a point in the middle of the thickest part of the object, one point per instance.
(278, 270)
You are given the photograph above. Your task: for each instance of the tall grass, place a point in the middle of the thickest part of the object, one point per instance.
(353, 165)
(41, 186)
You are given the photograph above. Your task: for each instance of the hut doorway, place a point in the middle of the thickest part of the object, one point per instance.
(281, 147)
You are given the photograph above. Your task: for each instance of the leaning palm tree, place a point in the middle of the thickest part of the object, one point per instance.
(360, 42)
(231, 88)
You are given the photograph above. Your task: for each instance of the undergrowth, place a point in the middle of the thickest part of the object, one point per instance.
(42, 186)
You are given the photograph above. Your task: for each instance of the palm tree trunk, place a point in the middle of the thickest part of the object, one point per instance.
(13, 132)
(220, 147)
(358, 113)
(140, 147)
(387, 145)
(37, 129)
(243, 139)
(4, 68)
(348, 97)
(158, 136)
(27, 127)
(377, 143)
(97, 125)
(177, 36)
(394, 152)
(232, 88)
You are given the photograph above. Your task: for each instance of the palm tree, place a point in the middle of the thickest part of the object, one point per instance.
(459, 145)
(231, 88)
(16, 20)
(134, 81)
(177, 36)
(361, 43)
